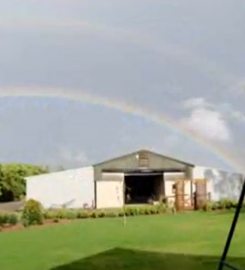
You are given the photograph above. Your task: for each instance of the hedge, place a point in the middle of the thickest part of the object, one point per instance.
(224, 204)
(33, 212)
(8, 219)
(127, 211)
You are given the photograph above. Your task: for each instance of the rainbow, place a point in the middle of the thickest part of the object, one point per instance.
(133, 109)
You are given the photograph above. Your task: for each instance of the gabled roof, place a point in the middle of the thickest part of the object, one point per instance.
(149, 152)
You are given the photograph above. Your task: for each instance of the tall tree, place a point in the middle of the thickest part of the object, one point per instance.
(12, 179)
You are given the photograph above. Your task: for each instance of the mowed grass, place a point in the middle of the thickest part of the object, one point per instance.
(192, 241)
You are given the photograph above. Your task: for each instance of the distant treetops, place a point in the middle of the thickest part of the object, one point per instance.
(12, 180)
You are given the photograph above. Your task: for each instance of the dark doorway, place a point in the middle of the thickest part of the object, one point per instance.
(143, 188)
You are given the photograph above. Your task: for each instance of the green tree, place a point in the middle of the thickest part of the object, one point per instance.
(12, 179)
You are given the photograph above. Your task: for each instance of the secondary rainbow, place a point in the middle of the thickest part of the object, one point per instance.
(162, 119)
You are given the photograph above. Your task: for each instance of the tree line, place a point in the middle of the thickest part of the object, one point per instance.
(12, 180)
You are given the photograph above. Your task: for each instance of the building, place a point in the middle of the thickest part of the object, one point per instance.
(136, 178)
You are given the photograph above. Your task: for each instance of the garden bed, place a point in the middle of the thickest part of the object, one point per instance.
(34, 214)
(19, 226)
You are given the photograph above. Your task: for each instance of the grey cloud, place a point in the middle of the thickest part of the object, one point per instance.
(153, 53)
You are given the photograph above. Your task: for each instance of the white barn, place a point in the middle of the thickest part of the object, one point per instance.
(130, 179)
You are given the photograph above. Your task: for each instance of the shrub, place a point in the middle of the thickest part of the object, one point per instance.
(171, 207)
(229, 204)
(131, 211)
(3, 219)
(101, 214)
(208, 206)
(220, 205)
(147, 211)
(243, 204)
(233, 203)
(223, 204)
(226, 204)
(136, 211)
(121, 213)
(70, 214)
(154, 210)
(82, 214)
(8, 218)
(142, 211)
(13, 219)
(162, 208)
(113, 214)
(32, 213)
(50, 214)
(127, 211)
(93, 214)
(215, 205)
(61, 214)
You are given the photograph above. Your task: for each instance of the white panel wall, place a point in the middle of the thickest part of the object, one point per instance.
(169, 180)
(221, 184)
(199, 173)
(110, 194)
(70, 188)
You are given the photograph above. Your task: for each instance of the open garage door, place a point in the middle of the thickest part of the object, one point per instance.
(143, 187)
(110, 191)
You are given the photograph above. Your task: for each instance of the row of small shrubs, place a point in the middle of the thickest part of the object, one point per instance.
(224, 204)
(34, 214)
(83, 214)
(8, 219)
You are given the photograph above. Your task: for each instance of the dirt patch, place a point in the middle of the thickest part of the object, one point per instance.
(18, 227)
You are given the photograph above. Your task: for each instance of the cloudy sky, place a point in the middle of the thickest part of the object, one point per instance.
(173, 60)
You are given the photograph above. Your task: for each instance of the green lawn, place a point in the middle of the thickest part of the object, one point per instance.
(190, 241)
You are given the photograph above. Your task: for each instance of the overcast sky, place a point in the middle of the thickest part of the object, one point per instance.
(181, 59)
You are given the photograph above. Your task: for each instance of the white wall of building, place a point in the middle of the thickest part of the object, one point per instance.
(110, 191)
(70, 188)
(170, 180)
(221, 184)
(110, 194)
